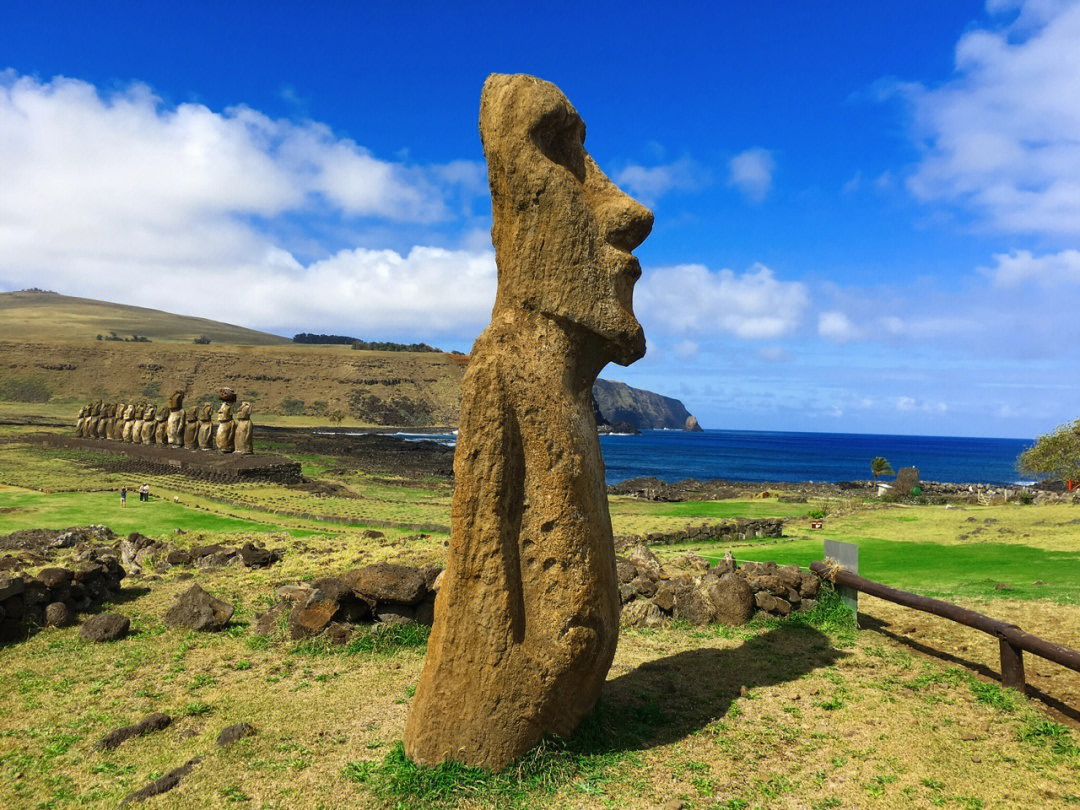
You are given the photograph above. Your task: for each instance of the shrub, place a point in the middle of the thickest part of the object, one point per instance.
(1026, 498)
(25, 389)
(202, 340)
(915, 492)
(152, 390)
(292, 407)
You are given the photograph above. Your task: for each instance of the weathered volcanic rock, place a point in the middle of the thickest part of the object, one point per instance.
(153, 722)
(198, 610)
(387, 582)
(57, 614)
(105, 627)
(237, 731)
(642, 613)
(527, 617)
(732, 599)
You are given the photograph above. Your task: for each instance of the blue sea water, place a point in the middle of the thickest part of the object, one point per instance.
(764, 455)
(760, 455)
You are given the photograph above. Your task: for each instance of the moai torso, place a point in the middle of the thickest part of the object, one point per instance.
(191, 429)
(175, 429)
(206, 427)
(161, 428)
(223, 437)
(129, 423)
(149, 425)
(526, 620)
(242, 440)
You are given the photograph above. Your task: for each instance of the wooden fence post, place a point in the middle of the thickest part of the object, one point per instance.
(1012, 665)
(847, 554)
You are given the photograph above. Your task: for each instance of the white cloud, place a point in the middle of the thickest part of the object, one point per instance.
(686, 349)
(912, 404)
(1050, 270)
(691, 298)
(651, 183)
(1001, 137)
(837, 326)
(773, 354)
(118, 196)
(752, 173)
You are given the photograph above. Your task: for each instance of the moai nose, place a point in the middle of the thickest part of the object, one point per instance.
(626, 222)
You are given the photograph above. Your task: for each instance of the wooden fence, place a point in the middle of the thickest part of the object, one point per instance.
(1012, 641)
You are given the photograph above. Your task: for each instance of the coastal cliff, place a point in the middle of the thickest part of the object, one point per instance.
(644, 410)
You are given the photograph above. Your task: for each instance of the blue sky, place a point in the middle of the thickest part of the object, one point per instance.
(867, 214)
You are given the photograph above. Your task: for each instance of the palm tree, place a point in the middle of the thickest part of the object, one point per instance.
(879, 466)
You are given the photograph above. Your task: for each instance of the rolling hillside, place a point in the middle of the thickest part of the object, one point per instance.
(49, 352)
(37, 316)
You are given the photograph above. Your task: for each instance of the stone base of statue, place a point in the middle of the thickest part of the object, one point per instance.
(164, 460)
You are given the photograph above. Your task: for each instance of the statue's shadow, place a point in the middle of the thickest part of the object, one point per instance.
(667, 699)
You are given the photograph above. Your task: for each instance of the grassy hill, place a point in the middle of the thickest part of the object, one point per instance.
(35, 316)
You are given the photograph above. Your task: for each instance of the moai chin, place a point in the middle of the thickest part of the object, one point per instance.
(175, 430)
(242, 440)
(527, 618)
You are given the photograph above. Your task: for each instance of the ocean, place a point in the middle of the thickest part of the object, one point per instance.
(764, 455)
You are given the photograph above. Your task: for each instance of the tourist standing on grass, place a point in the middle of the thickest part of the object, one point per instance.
(123, 497)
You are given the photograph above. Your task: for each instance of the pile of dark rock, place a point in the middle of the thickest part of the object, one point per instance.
(384, 592)
(55, 596)
(139, 552)
(727, 593)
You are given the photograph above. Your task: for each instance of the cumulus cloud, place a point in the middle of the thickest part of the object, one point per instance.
(691, 298)
(1001, 136)
(119, 196)
(752, 173)
(835, 325)
(1049, 270)
(653, 182)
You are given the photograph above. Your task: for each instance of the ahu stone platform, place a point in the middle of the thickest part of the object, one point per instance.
(163, 460)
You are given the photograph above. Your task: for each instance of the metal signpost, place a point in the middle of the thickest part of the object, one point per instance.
(847, 554)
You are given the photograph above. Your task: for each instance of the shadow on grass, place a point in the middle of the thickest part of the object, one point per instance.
(878, 626)
(657, 703)
(665, 700)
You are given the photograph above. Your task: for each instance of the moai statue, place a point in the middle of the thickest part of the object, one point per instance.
(242, 440)
(80, 420)
(137, 425)
(226, 428)
(92, 423)
(206, 427)
(161, 427)
(527, 617)
(191, 429)
(149, 425)
(129, 423)
(103, 420)
(116, 424)
(175, 430)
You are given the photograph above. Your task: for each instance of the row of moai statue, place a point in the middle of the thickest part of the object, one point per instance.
(144, 423)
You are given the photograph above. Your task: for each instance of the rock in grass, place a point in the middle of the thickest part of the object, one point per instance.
(198, 610)
(386, 582)
(731, 597)
(165, 783)
(641, 613)
(105, 627)
(57, 614)
(154, 722)
(231, 734)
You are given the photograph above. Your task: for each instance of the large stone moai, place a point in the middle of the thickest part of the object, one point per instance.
(226, 427)
(191, 429)
(137, 425)
(527, 618)
(206, 427)
(161, 427)
(129, 423)
(175, 429)
(149, 425)
(80, 420)
(116, 425)
(242, 441)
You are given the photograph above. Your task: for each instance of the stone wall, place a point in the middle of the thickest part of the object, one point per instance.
(722, 531)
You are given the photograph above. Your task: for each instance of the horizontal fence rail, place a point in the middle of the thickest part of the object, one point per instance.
(1012, 641)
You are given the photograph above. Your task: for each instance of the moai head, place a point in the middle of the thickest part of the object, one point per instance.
(129, 413)
(162, 415)
(244, 411)
(206, 412)
(176, 401)
(148, 414)
(225, 412)
(563, 232)
(96, 410)
(193, 414)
